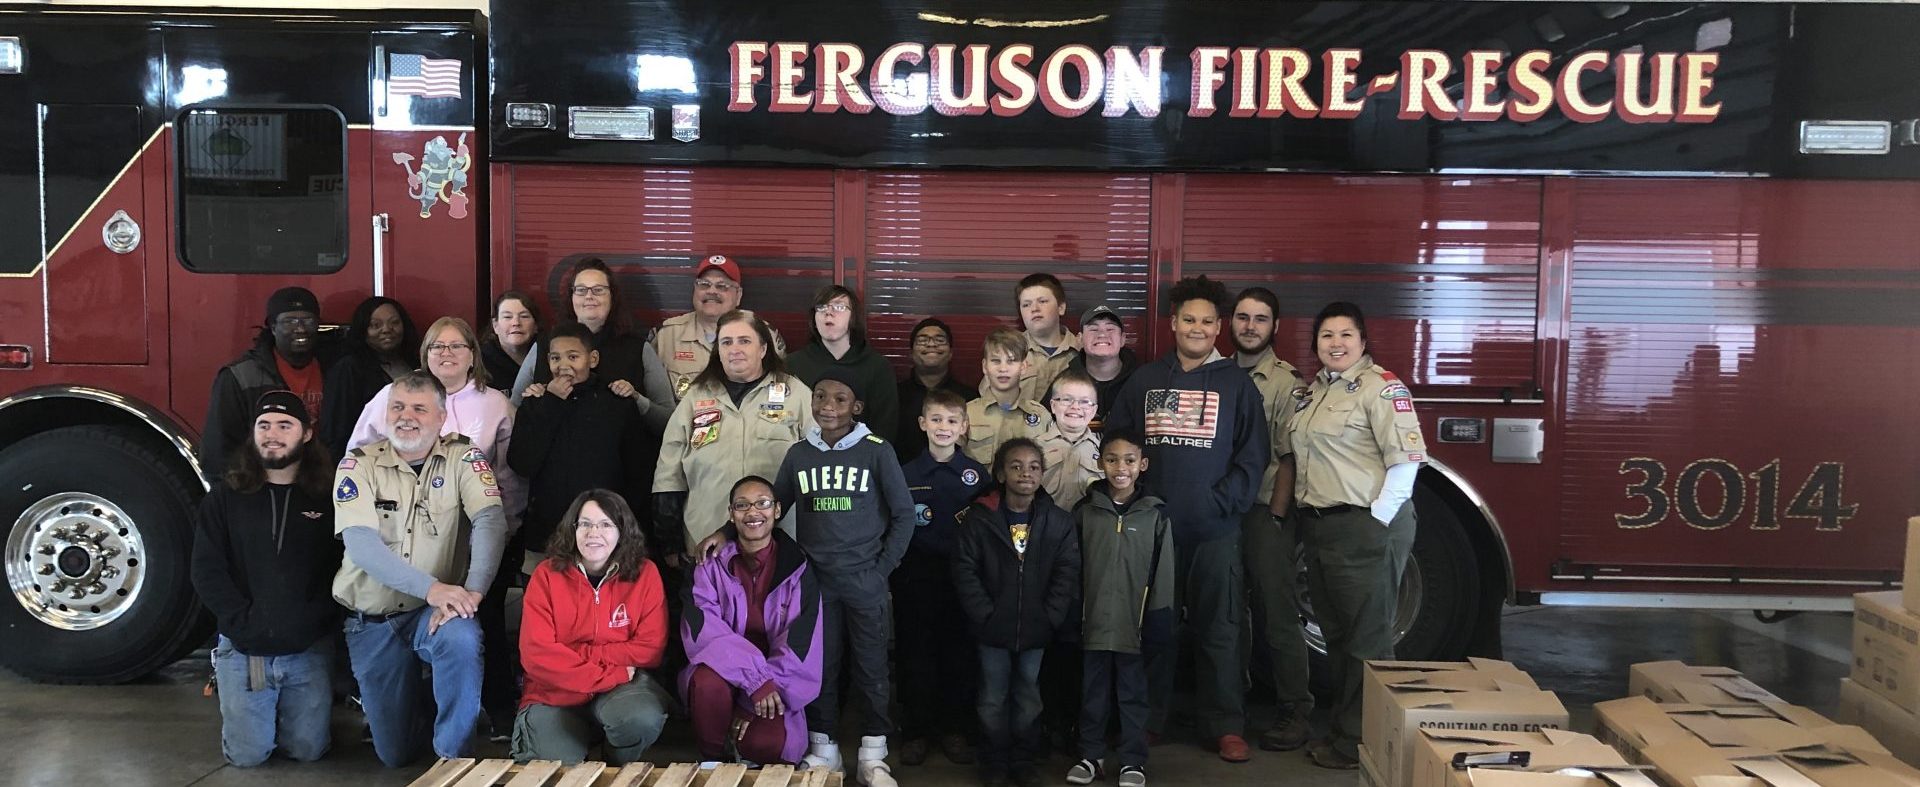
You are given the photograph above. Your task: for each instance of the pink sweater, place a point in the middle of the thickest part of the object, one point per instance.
(482, 414)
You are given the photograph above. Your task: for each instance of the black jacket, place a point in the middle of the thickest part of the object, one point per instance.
(909, 442)
(237, 387)
(501, 368)
(272, 597)
(351, 383)
(562, 447)
(1014, 603)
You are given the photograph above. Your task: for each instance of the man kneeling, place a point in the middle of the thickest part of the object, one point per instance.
(263, 555)
(407, 508)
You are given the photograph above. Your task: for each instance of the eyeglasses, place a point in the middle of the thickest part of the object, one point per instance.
(1069, 401)
(443, 347)
(719, 285)
(931, 341)
(836, 306)
(297, 322)
(588, 524)
(595, 291)
(764, 504)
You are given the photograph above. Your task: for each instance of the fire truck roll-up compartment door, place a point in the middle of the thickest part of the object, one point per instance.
(1446, 268)
(94, 177)
(954, 244)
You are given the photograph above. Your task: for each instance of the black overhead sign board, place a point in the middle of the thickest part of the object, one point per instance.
(1658, 88)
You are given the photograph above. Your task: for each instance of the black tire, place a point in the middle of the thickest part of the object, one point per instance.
(1448, 574)
(164, 620)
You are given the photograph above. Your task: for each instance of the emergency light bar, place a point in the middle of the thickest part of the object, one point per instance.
(634, 123)
(13, 57)
(1845, 137)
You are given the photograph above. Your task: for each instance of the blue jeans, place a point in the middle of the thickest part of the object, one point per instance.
(628, 717)
(387, 657)
(1009, 675)
(290, 712)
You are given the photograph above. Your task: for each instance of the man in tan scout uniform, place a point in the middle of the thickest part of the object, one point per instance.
(678, 350)
(1048, 347)
(1268, 541)
(1003, 412)
(421, 519)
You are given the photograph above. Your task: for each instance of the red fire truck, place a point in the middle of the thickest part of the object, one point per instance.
(1649, 268)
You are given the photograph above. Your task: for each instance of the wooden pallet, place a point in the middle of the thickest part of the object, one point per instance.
(469, 772)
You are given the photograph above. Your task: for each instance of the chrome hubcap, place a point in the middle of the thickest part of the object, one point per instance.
(74, 561)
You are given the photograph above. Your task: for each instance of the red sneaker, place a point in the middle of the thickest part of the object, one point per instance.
(1233, 748)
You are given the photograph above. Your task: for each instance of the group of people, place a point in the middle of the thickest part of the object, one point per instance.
(804, 523)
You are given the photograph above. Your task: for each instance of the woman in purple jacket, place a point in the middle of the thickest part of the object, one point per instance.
(752, 630)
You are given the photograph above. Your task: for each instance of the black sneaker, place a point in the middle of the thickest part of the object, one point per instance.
(914, 752)
(1026, 777)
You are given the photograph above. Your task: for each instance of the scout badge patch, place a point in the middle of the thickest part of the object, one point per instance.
(706, 427)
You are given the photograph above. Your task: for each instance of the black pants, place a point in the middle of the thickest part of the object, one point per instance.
(1114, 680)
(1060, 685)
(935, 654)
(500, 653)
(859, 624)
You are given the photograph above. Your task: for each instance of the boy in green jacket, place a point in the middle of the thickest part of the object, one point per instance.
(1128, 606)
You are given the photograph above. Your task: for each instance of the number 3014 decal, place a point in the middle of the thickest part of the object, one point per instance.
(1819, 496)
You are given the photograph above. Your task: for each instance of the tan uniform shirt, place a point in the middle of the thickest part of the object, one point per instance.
(988, 426)
(1347, 432)
(1277, 382)
(1041, 367)
(710, 443)
(1071, 465)
(423, 517)
(683, 349)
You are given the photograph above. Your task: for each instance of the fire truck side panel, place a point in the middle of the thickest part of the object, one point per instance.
(1740, 361)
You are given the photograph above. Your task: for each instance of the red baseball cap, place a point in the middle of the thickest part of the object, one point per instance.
(721, 262)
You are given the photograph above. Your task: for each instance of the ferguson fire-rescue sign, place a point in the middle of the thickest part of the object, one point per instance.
(1242, 82)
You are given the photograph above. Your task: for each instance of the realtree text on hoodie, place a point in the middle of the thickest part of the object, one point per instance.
(852, 510)
(1206, 439)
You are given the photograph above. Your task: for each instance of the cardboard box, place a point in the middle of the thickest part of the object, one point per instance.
(1890, 724)
(1678, 682)
(1401, 698)
(1886, 648)
(1547, 750)
(1369, 773)
(1489, 777)
(1911, 584)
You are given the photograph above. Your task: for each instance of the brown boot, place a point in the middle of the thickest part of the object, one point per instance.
(1289, 734)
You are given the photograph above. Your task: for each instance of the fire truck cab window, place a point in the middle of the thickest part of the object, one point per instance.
(261, 189)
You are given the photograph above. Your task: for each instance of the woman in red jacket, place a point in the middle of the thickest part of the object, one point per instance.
(594, 620)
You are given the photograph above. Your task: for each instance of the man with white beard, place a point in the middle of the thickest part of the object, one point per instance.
(408, 507)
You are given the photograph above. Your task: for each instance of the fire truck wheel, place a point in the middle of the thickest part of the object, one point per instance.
(1440, 589)
(98, 536)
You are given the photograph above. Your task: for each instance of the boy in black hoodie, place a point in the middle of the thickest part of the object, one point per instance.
(1206, 431)
(574, 436)
(264, 557)
(1017, 573)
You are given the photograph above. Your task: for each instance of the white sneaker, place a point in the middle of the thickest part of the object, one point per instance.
(873, 770)
(1131, 776)
(1085, 772)
(822, 752)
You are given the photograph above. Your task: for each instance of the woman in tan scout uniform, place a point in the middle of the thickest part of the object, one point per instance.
(1357, 448)
(737, 419)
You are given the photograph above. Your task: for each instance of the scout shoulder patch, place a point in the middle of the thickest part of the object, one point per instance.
(1403, 405)
(474, 456)
(348, 464)
(923, 514)
(1396, 391)
(1411, 441)
(1388, 376)
(345, 491)
(486, 478)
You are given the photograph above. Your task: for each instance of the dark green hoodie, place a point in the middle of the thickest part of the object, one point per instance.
(879, 399)
(1126, 568)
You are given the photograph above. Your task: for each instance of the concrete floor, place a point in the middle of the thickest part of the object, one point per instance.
(162, 732)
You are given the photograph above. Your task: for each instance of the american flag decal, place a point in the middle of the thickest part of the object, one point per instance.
(419, 75)
(1172, 412)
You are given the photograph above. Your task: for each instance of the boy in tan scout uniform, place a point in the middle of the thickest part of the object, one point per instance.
(1046, 344)
(1069, 445)
(1002, 412)
(678, 350)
